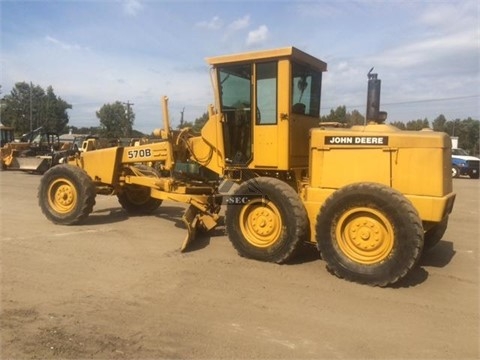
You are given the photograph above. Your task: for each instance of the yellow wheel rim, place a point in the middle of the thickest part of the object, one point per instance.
(62, 196)
(365, 235)
(260, 222)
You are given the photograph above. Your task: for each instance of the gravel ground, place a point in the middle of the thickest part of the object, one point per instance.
(118, 288)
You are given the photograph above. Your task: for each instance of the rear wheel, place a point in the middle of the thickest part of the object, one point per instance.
(266, 220)
(435, 234)
(66, 194)
(136, 199)
(369, 233)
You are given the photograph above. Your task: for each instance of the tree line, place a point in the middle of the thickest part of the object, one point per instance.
(29, 106)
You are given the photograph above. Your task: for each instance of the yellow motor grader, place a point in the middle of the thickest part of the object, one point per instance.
(372, 198)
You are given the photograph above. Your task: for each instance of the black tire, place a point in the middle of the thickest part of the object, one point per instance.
(271, 225)
(66, 194)
(135, 199)
(434, 235)
(369, 233)
(474, 176)
(455, 172)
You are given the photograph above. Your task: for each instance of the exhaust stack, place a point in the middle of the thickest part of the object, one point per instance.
(373, 99)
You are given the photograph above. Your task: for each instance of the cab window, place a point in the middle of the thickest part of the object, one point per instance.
(235, 86)
(266, 112)
(306, 87)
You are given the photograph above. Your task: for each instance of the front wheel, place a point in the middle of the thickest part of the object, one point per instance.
(369, 233)
(66, 194)
(266, 220)
(455, 172)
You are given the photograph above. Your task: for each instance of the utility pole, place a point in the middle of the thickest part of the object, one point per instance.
(181, 117)
(129, 104)
(31, 111)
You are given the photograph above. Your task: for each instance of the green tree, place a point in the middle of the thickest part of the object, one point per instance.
(355, 118)
(399, 124)
(418, 124)
(199, 122)
(115, 120)
(185, 124)
(472, 136)
(29, 106)
(54, 112)
(341, 115)
(337, 115)
(439, 124)
(467, 131)
(196, 125)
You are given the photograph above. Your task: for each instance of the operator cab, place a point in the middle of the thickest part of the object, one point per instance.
(269, 101)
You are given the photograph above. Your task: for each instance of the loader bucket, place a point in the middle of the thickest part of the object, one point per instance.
(37, 164)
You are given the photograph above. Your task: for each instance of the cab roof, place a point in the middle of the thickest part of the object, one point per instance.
(291, 53)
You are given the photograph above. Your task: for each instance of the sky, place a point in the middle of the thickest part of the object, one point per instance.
(96, 52)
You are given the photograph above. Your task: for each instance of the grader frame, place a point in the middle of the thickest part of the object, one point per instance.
(349, 191)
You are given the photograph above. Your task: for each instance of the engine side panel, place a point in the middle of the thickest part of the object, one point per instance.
(416, 163)
(413, 162)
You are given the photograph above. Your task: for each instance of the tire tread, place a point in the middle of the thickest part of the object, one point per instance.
(399, 201)
(298, 213)
(86, 194)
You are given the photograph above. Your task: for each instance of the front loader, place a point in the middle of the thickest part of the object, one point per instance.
(37, 151)
(372, 198)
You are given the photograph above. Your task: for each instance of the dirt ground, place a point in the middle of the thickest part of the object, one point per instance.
(118, 288)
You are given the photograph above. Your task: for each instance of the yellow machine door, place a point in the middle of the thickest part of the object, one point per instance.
(265, 132)
(250, 115)
(305, 112)
(236, 99)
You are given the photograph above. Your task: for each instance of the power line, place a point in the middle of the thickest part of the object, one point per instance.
(432, 100)
(414, 101)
